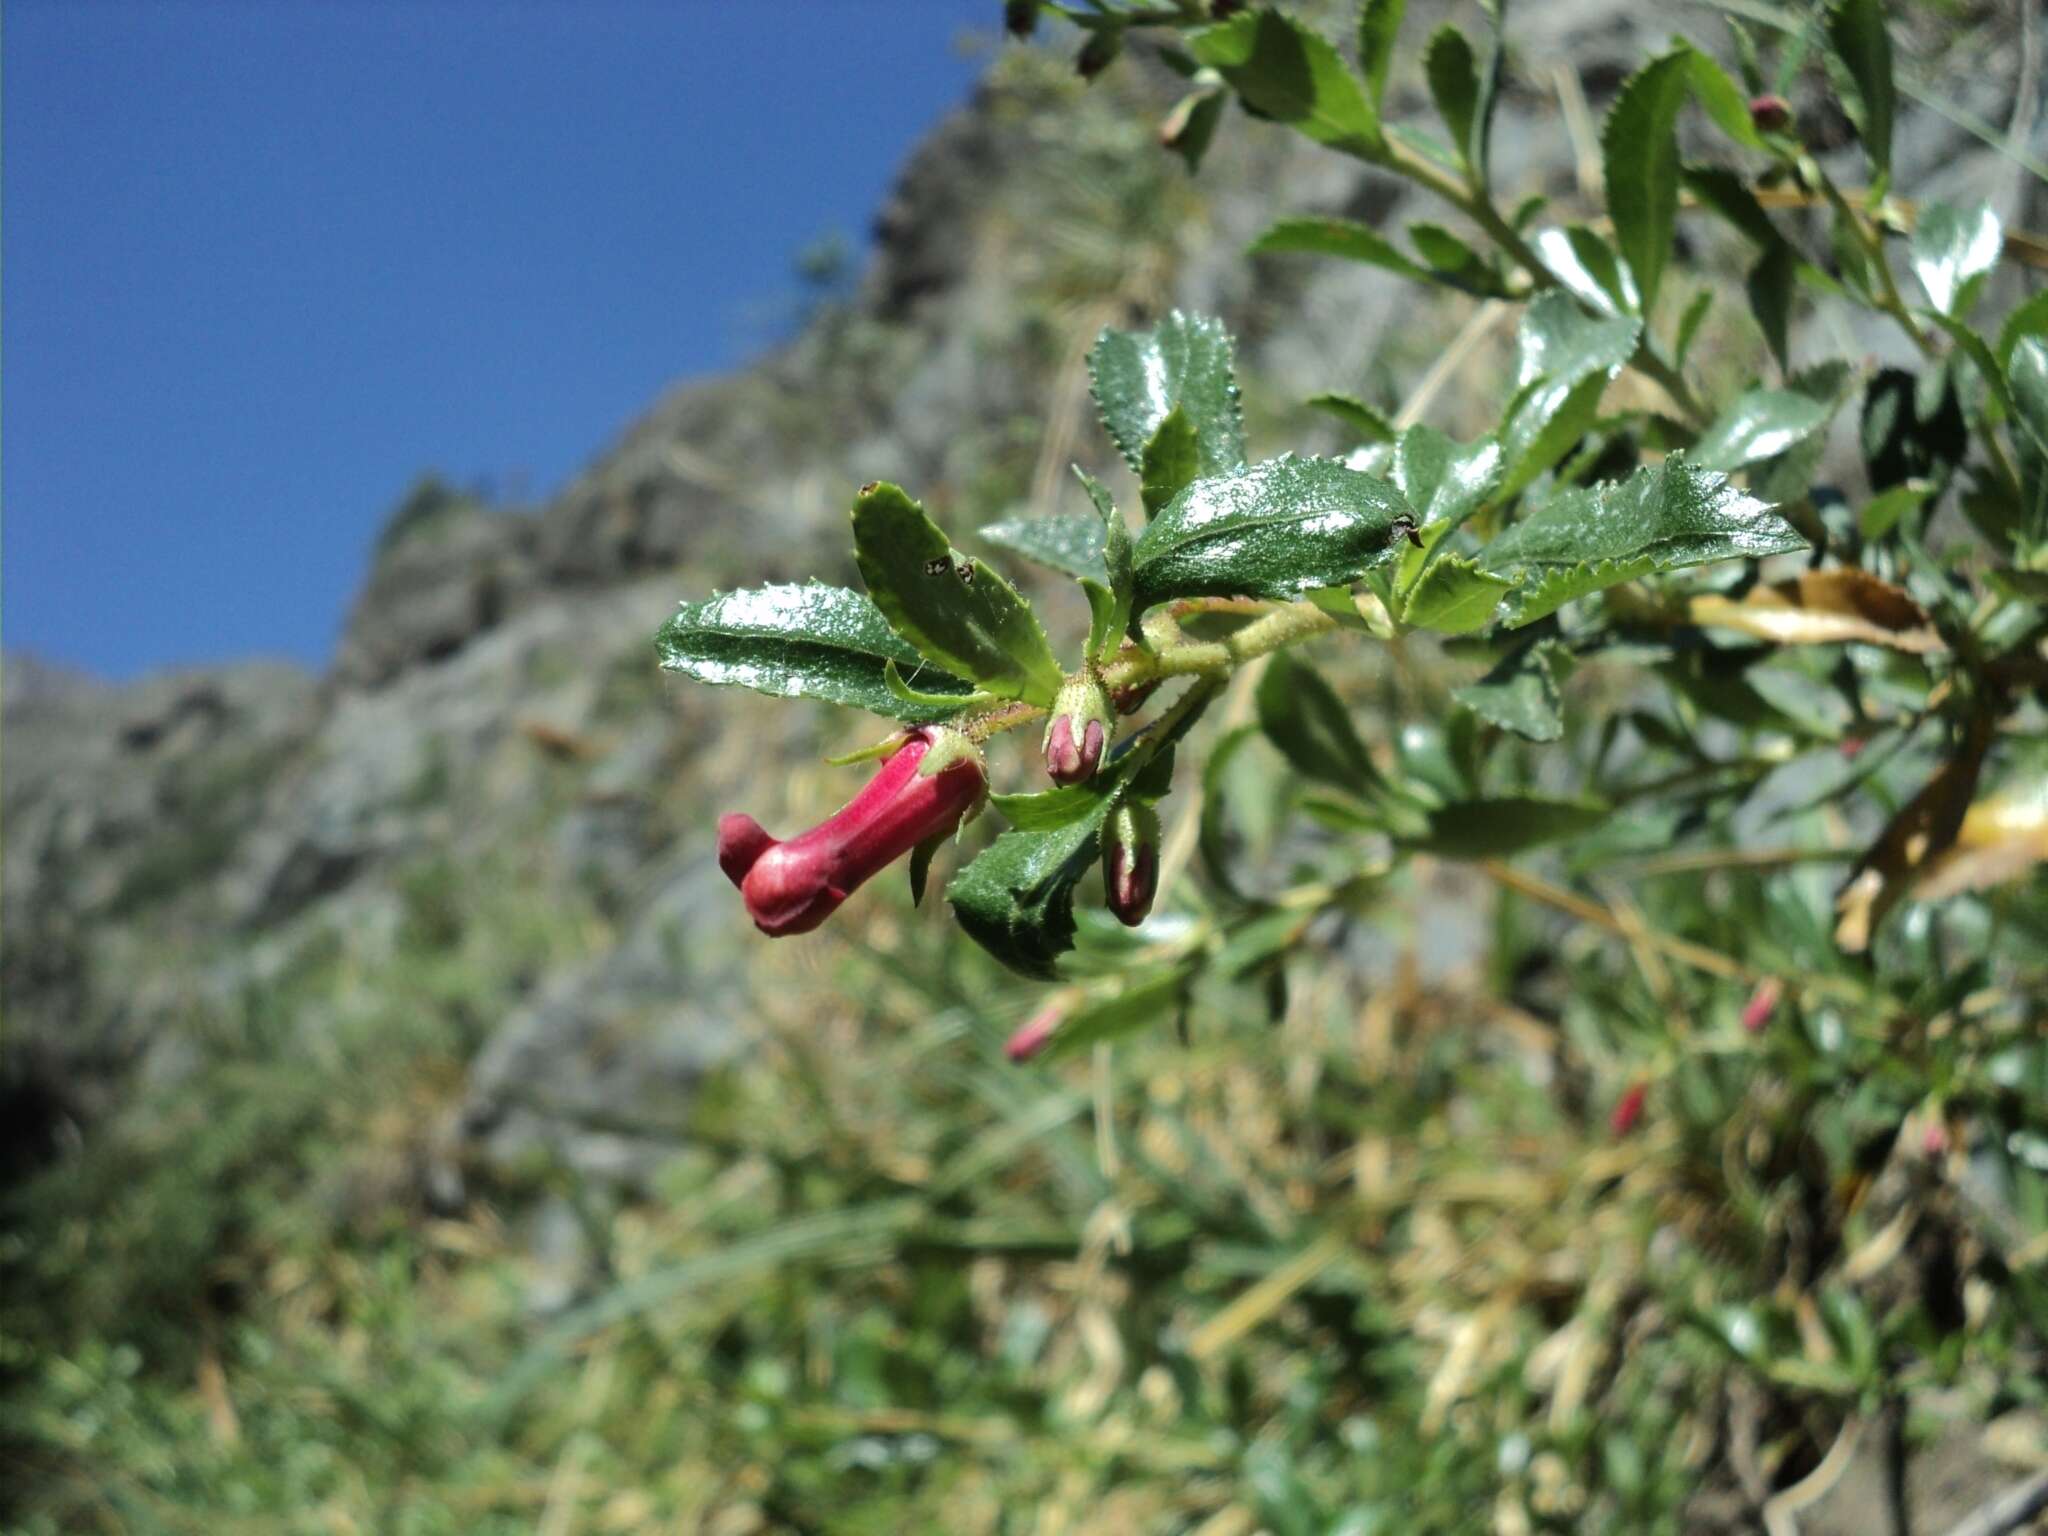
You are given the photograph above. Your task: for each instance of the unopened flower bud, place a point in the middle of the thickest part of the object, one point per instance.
(1078, 732)
(928, 786)
(1034, 1033)
(1770, 114)
(1131, 698)
(1628, 1109)
(1130, 861)
(1763, 1002)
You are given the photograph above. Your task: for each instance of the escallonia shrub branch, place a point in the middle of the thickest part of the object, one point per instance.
(1574, 528)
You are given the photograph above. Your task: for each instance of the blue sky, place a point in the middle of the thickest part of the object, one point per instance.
(264, 263)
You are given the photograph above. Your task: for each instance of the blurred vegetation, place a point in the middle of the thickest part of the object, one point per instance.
(1374, 1244)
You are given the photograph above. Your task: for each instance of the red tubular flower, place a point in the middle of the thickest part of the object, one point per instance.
(925, 789)
(1628, 1109)
(1036, 1032)
(1763, 1002)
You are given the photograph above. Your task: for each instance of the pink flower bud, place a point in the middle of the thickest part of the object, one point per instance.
(1033, 1034)
(1934, 1139)
(1770, 114)
(1763, 1002)
(925, 789)
(1628, 1109)
(1851, 746)
(1078, 731)
(1130, 862)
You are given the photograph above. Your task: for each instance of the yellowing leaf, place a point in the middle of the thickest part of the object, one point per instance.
(2001, 838)
(1824, 608)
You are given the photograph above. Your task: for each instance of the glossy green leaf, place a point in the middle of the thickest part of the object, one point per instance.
(1563, 361)
(1311, 726)
(1520, 694)
(1185, 363)
(1356, 414)
(1454, 85)
(1639, 153)
(953, 608)
(1486, 829)
(1954, 250)
(1288, 73)
(1379, 24)
(1443, 480)
(1047, 810)
(1346, 238)
(1278, 529)
(1016, 898)
(1589, 269)
(1758, 425)
(1171, 460)
(1861, 57)
(1548, 588)
(928, 700)
(810, 641)
(1070, 542)
(1661, 518)
(1454, 596)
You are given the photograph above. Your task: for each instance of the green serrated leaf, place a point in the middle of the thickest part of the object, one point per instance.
(1639, 153)
(1728, 195)
(1452, 71)
(939, 703)
(953, 608)
(1170, 461)
(1760, 424)
(1070, 542)
(1278, 529)
(810, 641)
(1550, 587)
(1310, 725)
(1454, 596)
(2027, 387)
(1661, 518)
(1443, 480)
(1954, 250)
(1379, 24)
(921, 865)
(1588, 267)
(1882, 512)
(1345, 238)
(1563, 361)
(1905, 435)
(1520, 694)
(1483, 829)
(1109, 606)
(1356, 414)
(1861, 59)
(1454, 263)
(1288, 73)
(1016, 898)
(1185, 362)
(1675, 513)
(1722, 99)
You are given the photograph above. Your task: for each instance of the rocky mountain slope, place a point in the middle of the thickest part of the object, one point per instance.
(494, 701)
